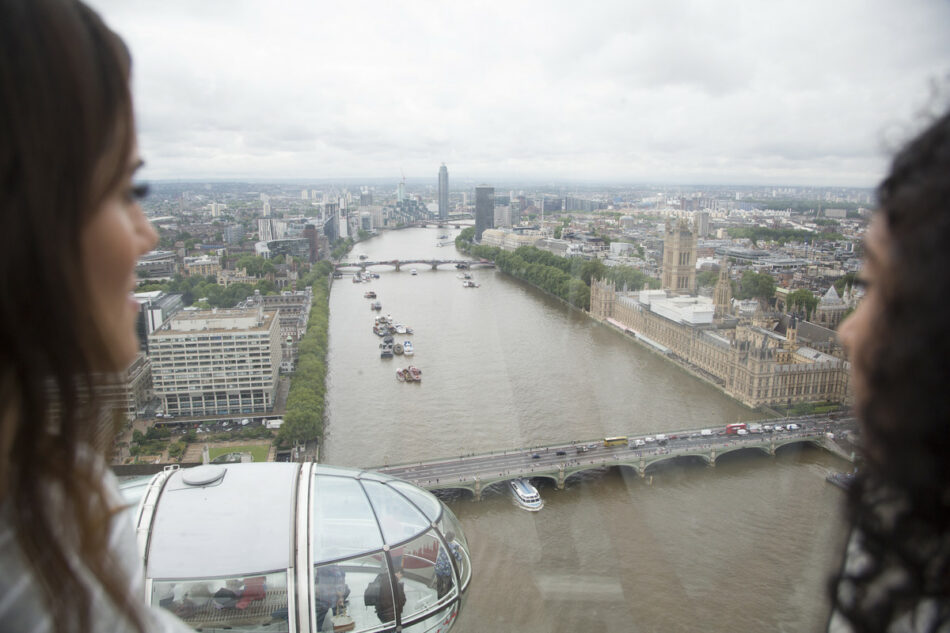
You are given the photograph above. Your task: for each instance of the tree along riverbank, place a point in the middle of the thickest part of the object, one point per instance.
(303, 417)
(567, 278)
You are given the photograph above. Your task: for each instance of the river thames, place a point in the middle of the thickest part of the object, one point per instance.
(745, 546)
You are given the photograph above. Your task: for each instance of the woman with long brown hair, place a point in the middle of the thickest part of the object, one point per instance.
(896, 575)
(71, 233)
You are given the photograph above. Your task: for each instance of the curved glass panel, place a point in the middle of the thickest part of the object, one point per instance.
(426, 501)
(452, 530)
(427, 575)
(353, 594)
(241, 603)
(437, 622)
(343, 522)
(398, 519)
(375, 476)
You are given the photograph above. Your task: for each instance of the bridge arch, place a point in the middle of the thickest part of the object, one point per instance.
(448, 492)
(698, 459)
(379, 267)
(735, 450)
(796, 442)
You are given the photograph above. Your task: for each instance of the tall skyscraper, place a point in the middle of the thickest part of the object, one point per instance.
(484, 210)
(702, 223)
(443, 192)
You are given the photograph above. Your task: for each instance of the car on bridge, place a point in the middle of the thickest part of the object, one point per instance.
(561, 453)
(536, 456)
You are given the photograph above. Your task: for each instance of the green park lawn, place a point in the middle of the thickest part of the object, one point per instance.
(257, 451)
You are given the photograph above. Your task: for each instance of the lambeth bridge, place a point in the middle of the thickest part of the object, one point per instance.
(398, 264)
(642, 454)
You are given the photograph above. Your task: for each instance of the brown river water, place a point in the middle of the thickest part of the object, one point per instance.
(745, 546)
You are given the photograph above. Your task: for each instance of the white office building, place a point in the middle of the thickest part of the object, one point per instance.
(217, 361)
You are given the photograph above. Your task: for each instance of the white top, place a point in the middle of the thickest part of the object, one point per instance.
(22, 605)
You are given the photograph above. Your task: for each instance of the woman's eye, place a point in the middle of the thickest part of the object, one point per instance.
(137, 192)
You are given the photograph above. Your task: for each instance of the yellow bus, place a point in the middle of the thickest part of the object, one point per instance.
(620, 440)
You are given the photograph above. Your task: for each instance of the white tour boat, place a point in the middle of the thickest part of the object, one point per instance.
(407, 348)
(526, 495)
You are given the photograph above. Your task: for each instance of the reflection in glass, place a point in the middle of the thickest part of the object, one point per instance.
(240, 603)
(420, 574)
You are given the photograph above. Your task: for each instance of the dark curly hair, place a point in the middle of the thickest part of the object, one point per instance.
(900, 503)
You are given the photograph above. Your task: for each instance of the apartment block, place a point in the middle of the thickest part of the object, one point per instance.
(208, 362)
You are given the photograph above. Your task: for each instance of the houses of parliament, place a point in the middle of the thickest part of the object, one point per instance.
(760, 359)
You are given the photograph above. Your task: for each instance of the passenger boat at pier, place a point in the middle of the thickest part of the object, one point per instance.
(376, 306)
(407, 348)
(468, 283)
(526, 495)
(369, 295)
(385, 350)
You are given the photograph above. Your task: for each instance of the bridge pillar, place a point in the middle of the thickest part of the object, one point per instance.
(560, 477)
(712, 458)
(478, 489)
(396, 263)
(435, 265)
(642, 469)
(772, 448)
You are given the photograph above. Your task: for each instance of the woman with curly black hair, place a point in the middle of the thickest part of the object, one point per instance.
(896, 574)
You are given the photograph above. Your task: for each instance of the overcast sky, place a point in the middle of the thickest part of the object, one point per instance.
(727, 91)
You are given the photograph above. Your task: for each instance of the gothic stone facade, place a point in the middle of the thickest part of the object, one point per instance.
(753, 365)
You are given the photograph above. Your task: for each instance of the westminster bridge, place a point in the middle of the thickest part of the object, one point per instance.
(397, 264)
(558, 462)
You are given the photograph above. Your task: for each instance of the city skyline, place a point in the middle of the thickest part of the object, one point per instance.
(743, 93)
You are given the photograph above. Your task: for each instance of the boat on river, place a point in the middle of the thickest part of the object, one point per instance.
(397, 349)
(526, 495)
(400, 328)
(842, 480)
(369, 295)
(468, 283)
(407, 348)
(413, 272)
(385, 350)
(376, 305)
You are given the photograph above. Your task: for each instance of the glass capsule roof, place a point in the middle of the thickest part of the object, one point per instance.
(241, 520)
(247, 546)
